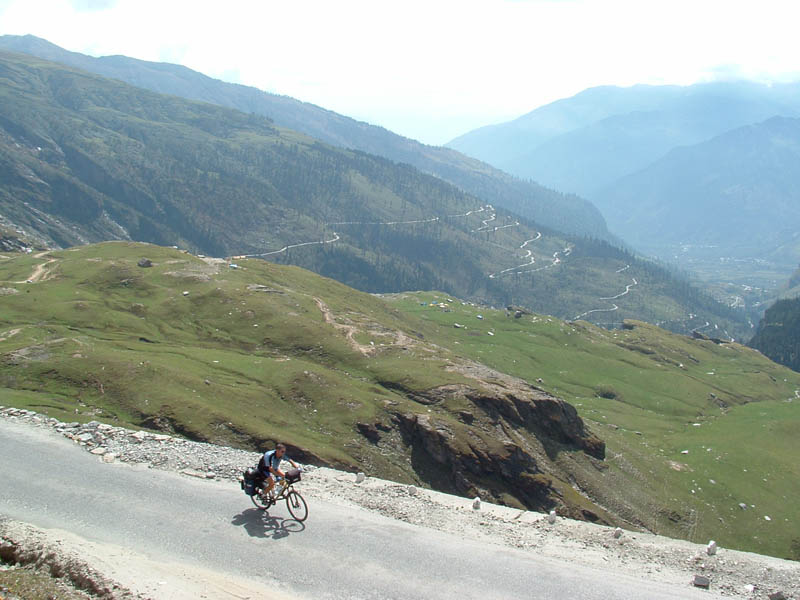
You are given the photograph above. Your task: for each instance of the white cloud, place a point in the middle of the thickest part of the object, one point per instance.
(431, 69)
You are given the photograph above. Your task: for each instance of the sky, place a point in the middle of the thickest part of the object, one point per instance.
(434, 69)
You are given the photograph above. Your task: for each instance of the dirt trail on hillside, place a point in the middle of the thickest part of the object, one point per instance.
(349, 330)
(40, 273)
(399, 338)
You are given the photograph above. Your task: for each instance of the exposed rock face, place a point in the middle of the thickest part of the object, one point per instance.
(505, 446)
(544, 415)
(530, 407)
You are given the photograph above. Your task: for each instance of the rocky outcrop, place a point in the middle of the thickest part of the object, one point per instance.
(523, 405)
(476, 467)
(550, 418)
(505, 445)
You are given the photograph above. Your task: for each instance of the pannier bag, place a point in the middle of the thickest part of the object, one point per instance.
(293, 475)
(249, 478)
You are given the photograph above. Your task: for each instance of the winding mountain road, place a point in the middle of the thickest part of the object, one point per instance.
(614, 306)
(288, 247)
(206, 533)
(528, 255)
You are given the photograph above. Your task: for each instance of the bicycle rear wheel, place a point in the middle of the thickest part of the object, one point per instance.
(297, 506)
(260, 501)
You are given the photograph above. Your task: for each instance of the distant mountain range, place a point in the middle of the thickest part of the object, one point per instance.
(738, 193)
(703, 176)
(585, 143)
(562, 212)
(85, 158)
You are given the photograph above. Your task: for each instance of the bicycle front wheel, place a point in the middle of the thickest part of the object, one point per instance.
(297, 506)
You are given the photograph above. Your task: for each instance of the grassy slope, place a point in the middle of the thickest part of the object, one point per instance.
(660, 386)
(99, 337)
(264, 354)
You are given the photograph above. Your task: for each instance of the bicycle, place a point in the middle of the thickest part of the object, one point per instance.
(295, 502)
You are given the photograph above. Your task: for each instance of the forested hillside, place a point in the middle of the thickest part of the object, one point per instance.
(562, 212)
(86, 158)
(778, 335)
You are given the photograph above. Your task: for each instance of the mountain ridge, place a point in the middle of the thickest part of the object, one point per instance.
(88, 159)
(705, 194)
(562, 212)
(602, 134)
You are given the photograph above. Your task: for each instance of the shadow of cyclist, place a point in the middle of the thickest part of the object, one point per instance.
(259, 523)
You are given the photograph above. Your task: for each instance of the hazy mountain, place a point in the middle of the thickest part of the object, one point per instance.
(583, 143)
(504, 142)
(736, 193)
(563, 212)
(85, 158)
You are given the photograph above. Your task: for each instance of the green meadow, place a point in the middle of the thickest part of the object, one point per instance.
(245, 356)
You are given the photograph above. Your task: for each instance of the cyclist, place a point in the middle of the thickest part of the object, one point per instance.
(269, 467)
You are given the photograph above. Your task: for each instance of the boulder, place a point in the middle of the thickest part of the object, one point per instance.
(145, 263)
(701, 581)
